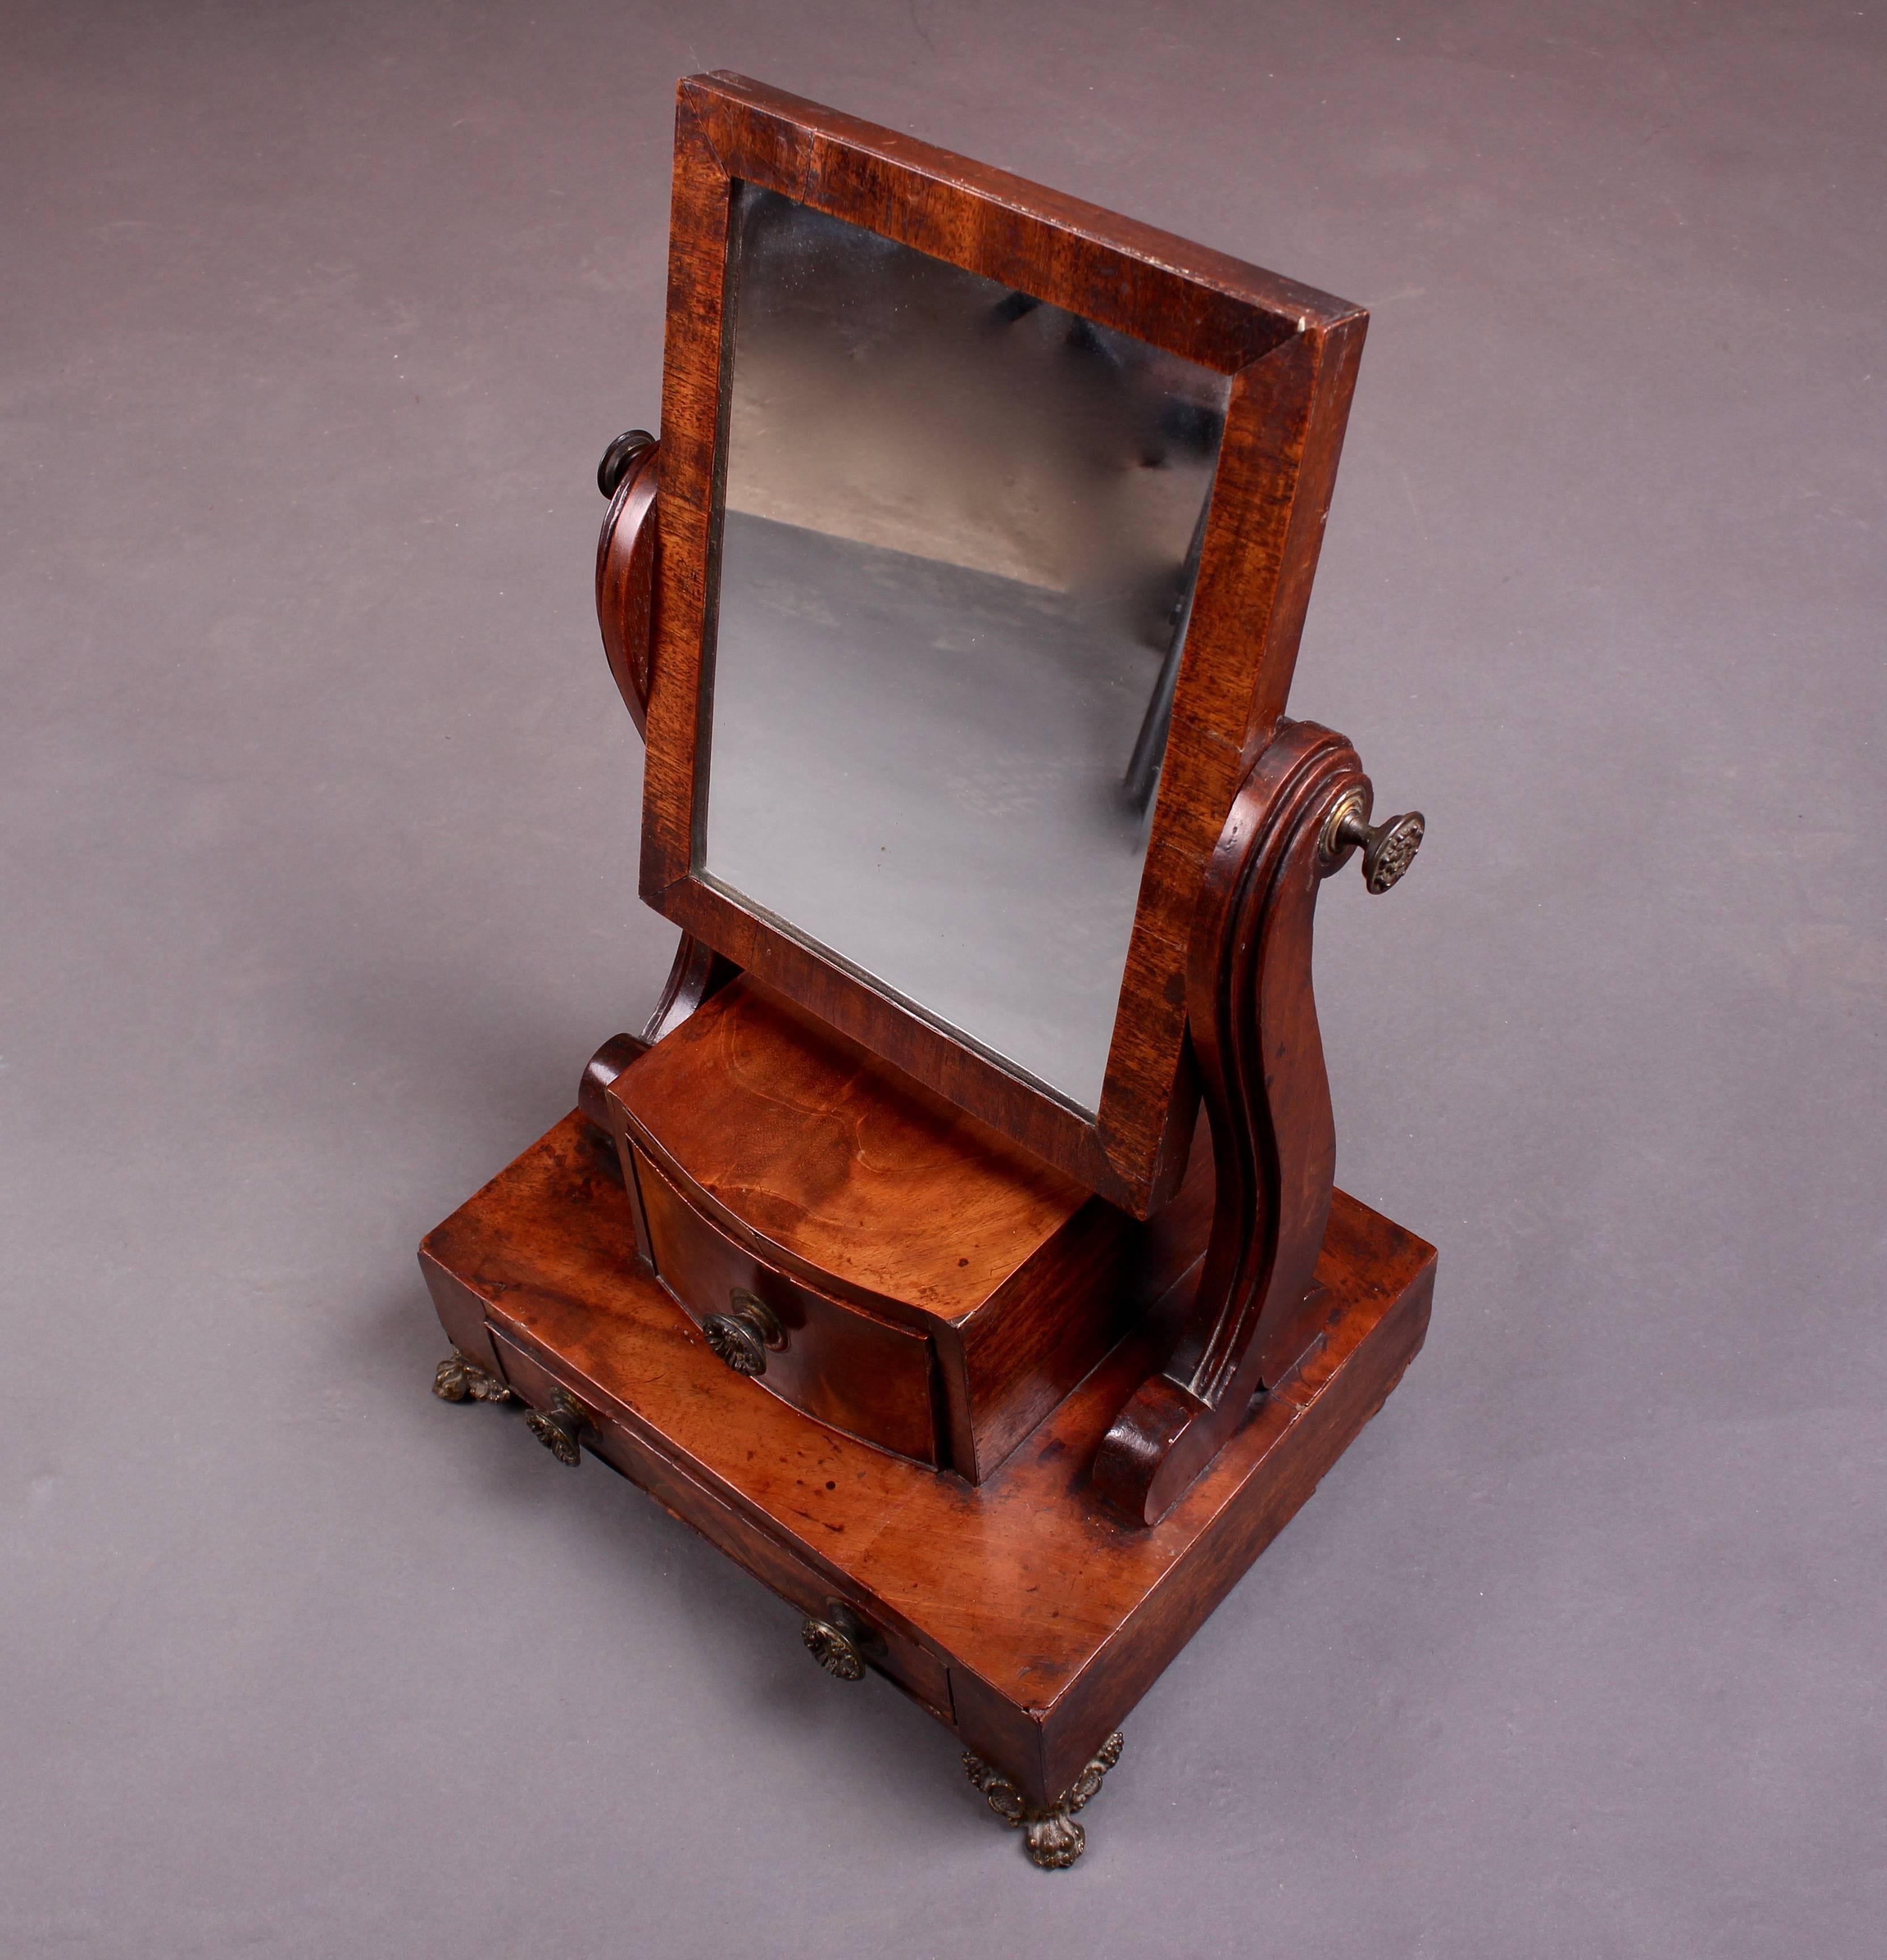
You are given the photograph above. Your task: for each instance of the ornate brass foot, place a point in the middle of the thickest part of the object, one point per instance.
(1052, 1837)
(459, 1379)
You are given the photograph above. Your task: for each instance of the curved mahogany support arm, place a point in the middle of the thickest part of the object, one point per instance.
(1253, 1023)
(697, 972)
(629, 477)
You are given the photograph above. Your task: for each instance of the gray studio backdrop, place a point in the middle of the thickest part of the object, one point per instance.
(317, 824)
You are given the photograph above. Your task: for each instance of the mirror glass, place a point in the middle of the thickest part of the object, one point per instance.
(959, 536)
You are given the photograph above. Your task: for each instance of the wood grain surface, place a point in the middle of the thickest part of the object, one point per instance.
(1253, 1018)
(1047, 1617)
(772, 1154)
(625, 583)
(1291, 353)
(838, 1159)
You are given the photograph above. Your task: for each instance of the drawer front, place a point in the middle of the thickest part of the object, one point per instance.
(845, 1366)
(921, 1673)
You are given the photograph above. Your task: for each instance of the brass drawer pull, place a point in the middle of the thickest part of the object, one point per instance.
(559, 1428)
(743, 1334)
(840, 1641)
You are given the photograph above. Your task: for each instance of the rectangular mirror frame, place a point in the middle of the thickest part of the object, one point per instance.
(1291, 354)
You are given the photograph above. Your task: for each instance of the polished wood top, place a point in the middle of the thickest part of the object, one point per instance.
(1042, 1600)
(839, 1159)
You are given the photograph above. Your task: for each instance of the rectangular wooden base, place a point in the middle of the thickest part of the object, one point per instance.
(1026, 1617)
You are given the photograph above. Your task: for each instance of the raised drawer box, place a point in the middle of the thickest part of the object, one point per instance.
(855, 1262)
(861, 1373)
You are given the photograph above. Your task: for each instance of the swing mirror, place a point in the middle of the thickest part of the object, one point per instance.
(983, 523)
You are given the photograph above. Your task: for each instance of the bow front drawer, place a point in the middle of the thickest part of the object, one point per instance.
(851, 1369)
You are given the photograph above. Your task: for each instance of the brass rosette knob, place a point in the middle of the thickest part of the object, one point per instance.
(560, 1427)
(1388, 848)
(832, 1650)
(743, 1335)
(839, 1641)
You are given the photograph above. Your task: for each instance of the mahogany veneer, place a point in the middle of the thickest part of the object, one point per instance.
(1291, 353)
(898, 1242)
(1004, 1395)
(1023, 1613)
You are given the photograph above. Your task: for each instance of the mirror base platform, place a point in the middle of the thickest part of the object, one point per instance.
(1021, 1612)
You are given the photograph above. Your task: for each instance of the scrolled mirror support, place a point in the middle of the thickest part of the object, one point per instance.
(1252, 1020)
(629, 475)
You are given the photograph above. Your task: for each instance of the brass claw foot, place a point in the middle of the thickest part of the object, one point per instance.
(459, 1379)
(1052, 1837)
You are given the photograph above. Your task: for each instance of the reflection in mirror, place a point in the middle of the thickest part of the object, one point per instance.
(959, 535)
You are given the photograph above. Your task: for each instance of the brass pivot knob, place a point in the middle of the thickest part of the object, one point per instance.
(743, 1334)
(559, 1428)
(1388, 848)
(839, 1641)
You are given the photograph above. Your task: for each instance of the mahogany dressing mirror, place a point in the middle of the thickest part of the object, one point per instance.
(958, 603)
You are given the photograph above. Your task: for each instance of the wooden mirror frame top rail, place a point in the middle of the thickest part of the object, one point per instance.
(1291, 354)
